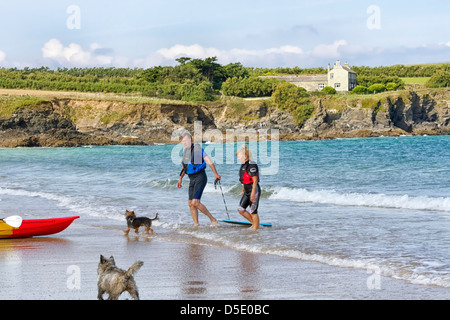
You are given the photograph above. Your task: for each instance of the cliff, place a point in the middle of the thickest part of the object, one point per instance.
(61, 121)
(390, 113)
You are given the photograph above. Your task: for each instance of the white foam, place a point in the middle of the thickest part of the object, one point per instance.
(371, 264)
(77, 204)
(361, 199)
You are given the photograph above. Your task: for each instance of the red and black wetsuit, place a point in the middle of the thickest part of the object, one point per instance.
(246, 173)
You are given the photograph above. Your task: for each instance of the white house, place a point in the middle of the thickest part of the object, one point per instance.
(341, 77)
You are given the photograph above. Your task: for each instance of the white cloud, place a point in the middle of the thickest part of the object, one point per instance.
(2, 56)
(198, 52)
(444, 44)
(74, 54)
(193, 51)
(284, 56)
(287, 55)
(329, 50)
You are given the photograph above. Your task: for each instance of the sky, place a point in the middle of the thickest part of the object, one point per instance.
(282, 33)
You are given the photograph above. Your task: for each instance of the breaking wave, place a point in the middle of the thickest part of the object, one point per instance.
(331, 197)
(361, 199)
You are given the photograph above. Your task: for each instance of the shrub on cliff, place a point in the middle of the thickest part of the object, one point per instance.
(391, 86)
(245, 87)
(329, 90)
(367, 81)
(439, 80)
(190, 91)
(376, 88)
(294, 99)
(359, 90)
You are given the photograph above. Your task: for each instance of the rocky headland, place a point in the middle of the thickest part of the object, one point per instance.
(52, 119)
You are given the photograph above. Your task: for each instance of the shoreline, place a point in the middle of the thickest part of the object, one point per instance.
(63, 267)
(282, 137)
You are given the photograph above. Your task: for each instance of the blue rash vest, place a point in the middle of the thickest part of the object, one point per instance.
(193, 159)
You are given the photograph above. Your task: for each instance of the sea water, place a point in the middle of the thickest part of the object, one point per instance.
(379, 204)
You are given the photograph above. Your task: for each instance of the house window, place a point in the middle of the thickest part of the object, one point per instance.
(321, 86)
(337, 85)
(331, 75)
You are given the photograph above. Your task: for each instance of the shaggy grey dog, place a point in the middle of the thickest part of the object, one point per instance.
(113, 280)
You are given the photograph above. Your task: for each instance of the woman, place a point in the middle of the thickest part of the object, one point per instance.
(249, 177)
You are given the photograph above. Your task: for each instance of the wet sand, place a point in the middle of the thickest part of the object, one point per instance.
(64, 267)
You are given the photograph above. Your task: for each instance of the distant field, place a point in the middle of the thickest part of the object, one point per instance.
(415, 80)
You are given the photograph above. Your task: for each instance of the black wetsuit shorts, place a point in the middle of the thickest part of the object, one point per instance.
(197, 184)
(245, 200)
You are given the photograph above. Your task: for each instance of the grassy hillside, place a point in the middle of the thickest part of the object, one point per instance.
(415, 80)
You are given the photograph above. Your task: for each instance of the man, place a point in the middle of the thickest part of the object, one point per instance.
(194, 164)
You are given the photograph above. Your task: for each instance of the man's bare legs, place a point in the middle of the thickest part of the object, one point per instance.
(194, 206)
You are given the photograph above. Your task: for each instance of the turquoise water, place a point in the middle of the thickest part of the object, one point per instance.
(379, 204)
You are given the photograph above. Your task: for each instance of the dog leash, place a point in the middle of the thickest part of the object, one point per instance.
(223, 197)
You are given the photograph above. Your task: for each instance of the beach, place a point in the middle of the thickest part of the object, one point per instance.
(64, 267)
(345, 225)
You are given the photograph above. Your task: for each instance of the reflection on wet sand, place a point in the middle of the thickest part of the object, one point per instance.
(193, 268)
(249, 284)
(36, 243)
(201, 273)
(15, 255)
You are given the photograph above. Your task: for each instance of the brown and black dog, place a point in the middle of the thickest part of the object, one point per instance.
(136, 222)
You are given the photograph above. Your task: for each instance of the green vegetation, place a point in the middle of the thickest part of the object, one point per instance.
(415, 80)
(201, 80)
(76, 79)
(285, 71)
(371, 102)
(359, 90)
(329, 90)
(9, 105)
(439, 80)
(376, 88)
(245, 87)
(294, 99)
(368, 81)
(420, 70)
(192, 80)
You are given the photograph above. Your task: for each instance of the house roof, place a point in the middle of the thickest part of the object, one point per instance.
(345, 66)
(301, 77)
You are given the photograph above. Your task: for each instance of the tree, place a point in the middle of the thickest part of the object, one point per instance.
(206, 67)
(152, 74)
(439, 79)
(182, 60)
(249, 87)
(234, 70)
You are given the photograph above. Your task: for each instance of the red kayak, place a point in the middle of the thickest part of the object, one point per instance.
(35, 227)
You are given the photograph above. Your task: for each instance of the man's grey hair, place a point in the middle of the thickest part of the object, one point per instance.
(185, 134)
